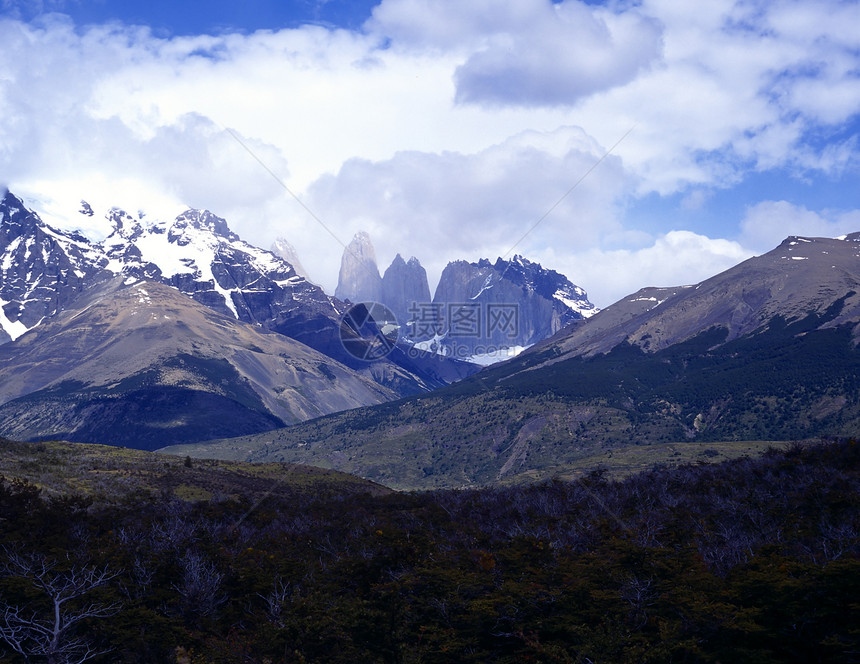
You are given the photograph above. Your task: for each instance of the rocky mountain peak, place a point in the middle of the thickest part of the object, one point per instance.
(41, 268)
(124, 225)
(488, 307)
(15, 218)
(358, 279)
(203, 220)
(405, 285)
(282, 248)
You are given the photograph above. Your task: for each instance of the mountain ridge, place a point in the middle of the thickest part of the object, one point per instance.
(131, 338)
(43, 270)
(781, 281)
(779, 366)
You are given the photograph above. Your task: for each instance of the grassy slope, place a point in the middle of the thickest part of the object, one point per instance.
(113, 474)
(510, 423)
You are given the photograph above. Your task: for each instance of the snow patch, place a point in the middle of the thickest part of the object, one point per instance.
(10, 250)
(487, 285)
(499, 355)
(582, 306)
(433, 345)
(13, 328)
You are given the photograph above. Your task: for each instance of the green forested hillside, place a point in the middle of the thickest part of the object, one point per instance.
(752, 560)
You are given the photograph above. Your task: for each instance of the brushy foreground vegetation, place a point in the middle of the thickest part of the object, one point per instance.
(749, 560)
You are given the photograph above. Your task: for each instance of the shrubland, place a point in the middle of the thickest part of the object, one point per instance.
(749, 560)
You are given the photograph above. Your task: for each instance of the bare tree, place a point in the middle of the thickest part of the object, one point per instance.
(276, 602)
(639, 593)
(47, 632)
(200, 589)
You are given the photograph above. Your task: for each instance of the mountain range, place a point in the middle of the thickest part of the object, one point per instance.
(77, 364)
(479, 310)
(172, 332)
(764, 351)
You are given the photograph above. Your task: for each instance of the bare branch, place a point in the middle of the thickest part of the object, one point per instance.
(49, 632)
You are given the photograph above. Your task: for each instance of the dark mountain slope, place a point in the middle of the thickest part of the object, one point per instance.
(139, 364)
(801, 276)
(783, 365)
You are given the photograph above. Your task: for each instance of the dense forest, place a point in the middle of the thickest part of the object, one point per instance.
(750, 560)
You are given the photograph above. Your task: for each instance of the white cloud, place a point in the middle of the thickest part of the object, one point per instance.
(767, 223)
(529, 53)
(729, 95)
(453, 205)
(675, 259)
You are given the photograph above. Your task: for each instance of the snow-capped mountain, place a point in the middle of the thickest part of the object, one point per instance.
(43, 270)
(548, 284)
(198, 254)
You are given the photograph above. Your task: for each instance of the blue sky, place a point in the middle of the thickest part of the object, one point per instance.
(448, 129)
(171, 18)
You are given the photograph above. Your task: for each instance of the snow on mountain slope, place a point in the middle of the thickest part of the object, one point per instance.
(198, 254)
(42, 268)
(45, 269)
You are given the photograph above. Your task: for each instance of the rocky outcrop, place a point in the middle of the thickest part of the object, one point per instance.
(484, 306)
(358, 279)
(405, 288)
(282, 248)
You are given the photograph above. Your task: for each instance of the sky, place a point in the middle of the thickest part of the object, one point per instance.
(623, 143)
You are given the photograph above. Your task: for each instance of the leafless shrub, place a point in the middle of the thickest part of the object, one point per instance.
(49, 630)
(200, 588)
